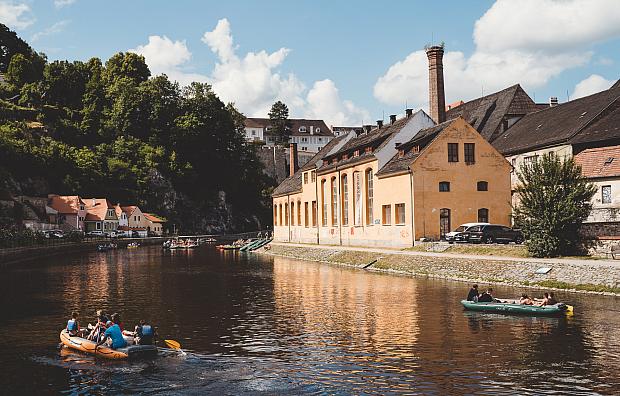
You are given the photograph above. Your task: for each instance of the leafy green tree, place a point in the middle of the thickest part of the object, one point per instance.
(554, 199)
(280, 124)
(93, 101)
(65, 83)
(11, 44)
(126, 65)
(23, 70)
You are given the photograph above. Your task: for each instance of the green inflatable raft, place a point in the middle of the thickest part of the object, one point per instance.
(516, 309)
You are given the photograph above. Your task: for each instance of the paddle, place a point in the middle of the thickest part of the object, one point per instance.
(173, 344)
(569, 310)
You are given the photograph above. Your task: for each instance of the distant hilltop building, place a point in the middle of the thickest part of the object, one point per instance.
(310, 135)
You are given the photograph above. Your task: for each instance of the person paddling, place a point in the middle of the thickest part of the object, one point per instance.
(113, 336)
(144, 334)
(473, 294)
(487, 296)
(551, 300)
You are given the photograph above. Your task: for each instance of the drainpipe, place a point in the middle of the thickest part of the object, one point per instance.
(412, 207)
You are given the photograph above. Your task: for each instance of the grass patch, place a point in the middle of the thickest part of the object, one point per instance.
(581, 286)
(490, 250)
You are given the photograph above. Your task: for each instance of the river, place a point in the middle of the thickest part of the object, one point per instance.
(256, 324)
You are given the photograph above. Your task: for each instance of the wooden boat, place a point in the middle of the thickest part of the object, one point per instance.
(84, 345)
(514, 308)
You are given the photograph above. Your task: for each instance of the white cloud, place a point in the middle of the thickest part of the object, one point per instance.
(591, 85)
(324, 103)
(55, 28)
(63, 3)
(527, 42)
(166, 56)
(15, 15)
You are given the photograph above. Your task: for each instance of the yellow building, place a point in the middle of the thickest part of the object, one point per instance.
(378, 189)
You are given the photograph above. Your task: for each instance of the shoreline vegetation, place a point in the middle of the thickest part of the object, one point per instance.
(465, 265)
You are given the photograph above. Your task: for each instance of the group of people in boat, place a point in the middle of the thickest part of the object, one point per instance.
(487, 296)
(109, 331)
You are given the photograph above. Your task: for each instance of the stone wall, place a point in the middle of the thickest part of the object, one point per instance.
(601, 230)
(276, 161)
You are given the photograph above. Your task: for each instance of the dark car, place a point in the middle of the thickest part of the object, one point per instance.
(492, 233)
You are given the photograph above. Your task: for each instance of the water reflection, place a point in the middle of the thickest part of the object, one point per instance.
(261, 325)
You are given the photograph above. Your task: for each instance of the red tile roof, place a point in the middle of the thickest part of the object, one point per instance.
(599, 162)
(65, 204)
(127, 209)
(96, 208)
(153, 218)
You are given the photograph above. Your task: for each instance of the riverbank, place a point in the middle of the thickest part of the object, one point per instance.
(16, 255)
(588, 276)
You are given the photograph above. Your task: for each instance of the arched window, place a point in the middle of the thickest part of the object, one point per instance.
(345, 200)
(483, 215)
(482, 186)
(285, 214)
(275, 215)
(281, 222)
(324, 203)
(444, 186)
(334, 194)
(369, 196)
(298, 213)
(292, 213)
(444, 222)
(357, 198)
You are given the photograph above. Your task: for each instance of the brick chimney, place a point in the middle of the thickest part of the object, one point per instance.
(293, 159)
(379, 124)
(436, 95)
(409, 112)
(392, 119)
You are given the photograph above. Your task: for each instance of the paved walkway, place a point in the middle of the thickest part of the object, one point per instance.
(578, 262)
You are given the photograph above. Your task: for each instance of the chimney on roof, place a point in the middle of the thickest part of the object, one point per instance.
(553, 101)
(437, 99)
(392, 119)
(293, 159)
(380, 123)
(397, 144)
(409, 112)
(367, 129)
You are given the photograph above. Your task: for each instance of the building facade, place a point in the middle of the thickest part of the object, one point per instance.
(100, 215)
(70, 210)
(310, 135)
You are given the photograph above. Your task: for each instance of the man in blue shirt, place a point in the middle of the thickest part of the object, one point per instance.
(114, 334)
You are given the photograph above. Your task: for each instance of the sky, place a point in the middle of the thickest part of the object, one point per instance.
(342, 61)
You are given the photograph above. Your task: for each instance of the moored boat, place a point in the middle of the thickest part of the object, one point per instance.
(516, 308)
(84, 345)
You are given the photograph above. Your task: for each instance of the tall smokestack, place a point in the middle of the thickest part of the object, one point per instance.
(293, 159)
(436, 96)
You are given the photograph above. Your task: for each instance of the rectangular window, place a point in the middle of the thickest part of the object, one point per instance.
(444, 186)
(369, 197)
(306, 222)
(285, 214)
(514, 165)
(470, 153)
(313, 176)
(334, 202)
(399, 211)
(98, 225)
(453, 152)
(386, 214)
(305, 177)
(314, 209)
(532, 159)
(345, 200)
(606, 194)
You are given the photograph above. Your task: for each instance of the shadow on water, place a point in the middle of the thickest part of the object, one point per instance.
(255, 324)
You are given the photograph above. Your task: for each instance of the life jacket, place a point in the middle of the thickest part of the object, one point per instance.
(147, 331)
(72, 325)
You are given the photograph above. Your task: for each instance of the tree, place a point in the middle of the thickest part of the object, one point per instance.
(280, 124)
(554, 199)
(126, 65)
(23, 70)
(11, 44)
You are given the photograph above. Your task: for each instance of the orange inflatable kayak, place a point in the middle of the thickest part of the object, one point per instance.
(84, 345)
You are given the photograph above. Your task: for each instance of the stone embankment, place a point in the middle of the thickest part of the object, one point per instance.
(593, 276)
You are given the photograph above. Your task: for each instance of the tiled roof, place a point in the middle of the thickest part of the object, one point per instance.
(400, 163)
(296, 124)
(65, 203)
(600, 161)
(97, 208)
(289, 185)
(153, 218)
(588, 119)
(486, 113)
(127, 209)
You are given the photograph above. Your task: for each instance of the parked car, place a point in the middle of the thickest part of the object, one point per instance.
(451, 236)
(94, 233)
(492, 233)
(53, 234)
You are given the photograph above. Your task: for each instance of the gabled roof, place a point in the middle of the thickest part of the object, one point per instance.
(400, 162)
(127, 209)
(585, 120)
(97, 208)
(153, 218)
(599, 162)
(296, 124)
(616, 85)
(486, 113)
(65, 204)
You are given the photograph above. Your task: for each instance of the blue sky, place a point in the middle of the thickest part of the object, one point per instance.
(346, 62)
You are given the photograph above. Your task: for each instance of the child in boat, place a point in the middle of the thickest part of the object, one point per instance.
(525, 300)
(544, 301)
(73, 327)
(145, 334)
(113, 336)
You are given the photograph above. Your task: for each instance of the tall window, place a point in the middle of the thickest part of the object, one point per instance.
(483, 215)
(305, 177)
(482, 186)
(357, 198)
(345, 200)
(444, 186)
(334, 186)
(314, 209)
(306, 220)
(444, 222)
(369, 196)
(399, 212)
(324, 203)
(470, 153)
(386, 214)
(313, 176)
(280, 216)
(453, 152)
(285, 214)
(275, 215)
(606, 194)
(292, 213)
(298, 213)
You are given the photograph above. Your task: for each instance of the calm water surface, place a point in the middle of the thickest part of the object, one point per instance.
(255, 324)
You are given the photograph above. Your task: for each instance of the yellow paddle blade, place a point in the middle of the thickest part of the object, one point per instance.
(569, 309)
(172, 344)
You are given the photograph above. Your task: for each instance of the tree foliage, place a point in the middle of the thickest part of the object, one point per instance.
(113, 130)
(554, 199)
(280, 123)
